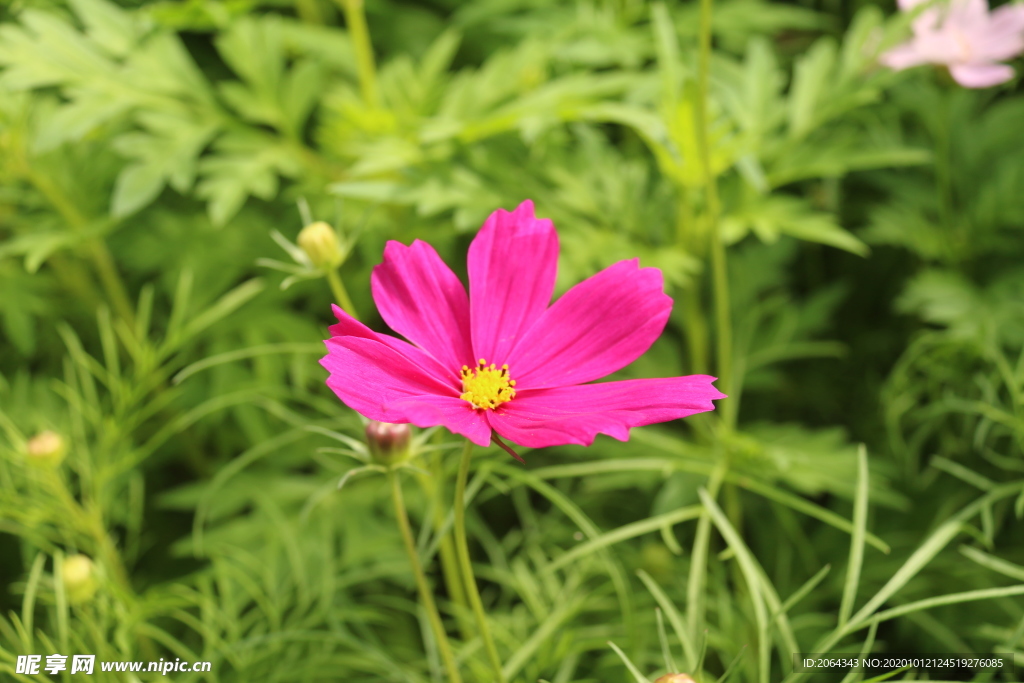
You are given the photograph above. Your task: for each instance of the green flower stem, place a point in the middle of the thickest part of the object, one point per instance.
(462, 548)
(691, 312)
(112, 282)
(355, 19)
(102, 260)
(695, 586)
(340, 293)
(309, 11)
(719, 269)
(426, 597)
(433, 487)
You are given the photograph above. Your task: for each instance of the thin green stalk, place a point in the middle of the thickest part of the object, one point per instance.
(340, 293)
(112, 282)
(462, 547)
(426, 597)
(433, 488)
(102, 260)
(944, 181)
(699, 559)
(692, 312)
(309, 11)
(723, 320)
(355, 19)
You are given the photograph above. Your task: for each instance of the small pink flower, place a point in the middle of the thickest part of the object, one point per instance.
(501, 358)
(964, 36)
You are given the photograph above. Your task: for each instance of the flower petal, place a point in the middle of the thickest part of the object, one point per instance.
(347, 326)
(455, 414)
(421, 298)
(1002, 36)
(575, 415)
(368, 376)
(902, 57)
(981, 75)
(599, 326)
(513, 262)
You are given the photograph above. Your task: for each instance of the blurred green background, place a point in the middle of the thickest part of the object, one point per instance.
(157, 162)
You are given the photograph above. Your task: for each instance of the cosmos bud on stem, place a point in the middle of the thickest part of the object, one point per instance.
(46, 449)
(320, 242)
(675, 678)
(388, 443)
(79, 575)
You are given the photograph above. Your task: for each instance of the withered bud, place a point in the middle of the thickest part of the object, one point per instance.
(47, 448)
(320, 242)
(675, 678)
(388, 443)
(79, 575)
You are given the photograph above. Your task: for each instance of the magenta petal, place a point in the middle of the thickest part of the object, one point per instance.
(980, 75)
(368, 376)
(455, 414)
(421, 298)
(599, 326)
(513, 262)
(575, 415)
(347, 326)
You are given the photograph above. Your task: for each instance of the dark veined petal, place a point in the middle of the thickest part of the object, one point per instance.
(575, 415)
(513, 262)
(421, 298)
(599, 326)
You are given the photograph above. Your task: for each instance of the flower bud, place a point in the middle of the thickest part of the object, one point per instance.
(320, 242)
(79, 575)
(47, 449)
(389, 443)
(675, 678)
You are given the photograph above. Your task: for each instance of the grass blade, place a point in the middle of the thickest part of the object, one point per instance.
(860, 519)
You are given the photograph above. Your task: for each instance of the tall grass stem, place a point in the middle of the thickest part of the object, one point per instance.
(340, 293)
(462, 548)
(359, 33)
(719, 268)
(426, 596)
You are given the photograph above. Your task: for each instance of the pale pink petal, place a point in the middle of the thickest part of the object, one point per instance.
(421, 298)
(599, 326)
(575, 415)
(369, 376)
(512, 266)
(1002, 37)
(902, 57)
(1008, 18)
(980, 75)
(347, 326)
(967, 13)
(944, 46)
(455, 414)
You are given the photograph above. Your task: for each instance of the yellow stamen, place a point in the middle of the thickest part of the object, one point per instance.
(487, 386)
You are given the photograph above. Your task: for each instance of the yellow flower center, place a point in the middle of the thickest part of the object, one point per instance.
(487, 386)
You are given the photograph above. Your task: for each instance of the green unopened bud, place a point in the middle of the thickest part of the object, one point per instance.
(320, 242)
(388, 443)
(46, 449)
(79, 575)
(675, 678)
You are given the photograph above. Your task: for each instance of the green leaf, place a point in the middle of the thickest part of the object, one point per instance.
(109, 26)
(771, 216)
(811, 80)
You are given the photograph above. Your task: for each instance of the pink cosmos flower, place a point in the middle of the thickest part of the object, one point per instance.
(964, 36)
(501, 360)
